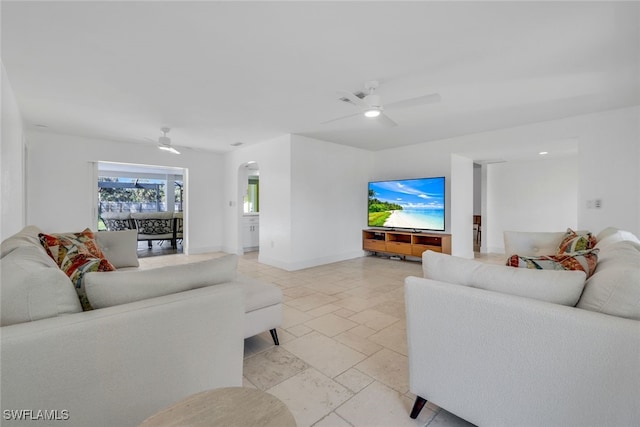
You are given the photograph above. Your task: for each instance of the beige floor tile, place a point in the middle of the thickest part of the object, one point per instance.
(330, 324)
(394, 338)
(362, 331)
(374, 319)
(379, 405)
(271, 367)
(310, 396)
(355, 303)
(356, 342)
(297, 292)
(310, 302)
(332, 420)
(325, 309)
(247, 383)
(392, 307)
(325, 354)
(344, 312)
(388, 367)
(292, 316)
(299, 330)
(354, 380)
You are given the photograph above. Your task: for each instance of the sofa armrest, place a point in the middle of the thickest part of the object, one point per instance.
(119, 365)
(496, 359)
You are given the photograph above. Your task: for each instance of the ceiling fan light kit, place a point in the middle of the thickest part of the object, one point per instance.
(164, 142)
(372, 107)
(372, 112)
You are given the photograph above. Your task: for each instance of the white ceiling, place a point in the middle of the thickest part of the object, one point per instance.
(223, 72)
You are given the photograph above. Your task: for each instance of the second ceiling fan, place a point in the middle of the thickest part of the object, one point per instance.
(371, 105)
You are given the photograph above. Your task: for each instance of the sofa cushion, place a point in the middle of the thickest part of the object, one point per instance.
(560, 287)
(119, 247)
(574, 242)
(28, 236)
(530, 243)
(257, 294)
(615, 286)
(76, 254)
(33, 287)
(120, 287)
(584, 261)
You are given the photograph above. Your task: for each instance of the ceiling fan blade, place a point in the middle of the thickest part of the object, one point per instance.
(414, 102)
(386, 121)
(340, 118)
(354, 99)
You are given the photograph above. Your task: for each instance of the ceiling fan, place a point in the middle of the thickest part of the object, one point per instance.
(372, 107)
(164, 142)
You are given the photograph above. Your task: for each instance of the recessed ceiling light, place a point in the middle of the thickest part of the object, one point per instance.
(542, 153)
(38, 125)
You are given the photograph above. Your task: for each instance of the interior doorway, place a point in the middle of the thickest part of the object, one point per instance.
(477, 207)
(150, 199)
(249, 211)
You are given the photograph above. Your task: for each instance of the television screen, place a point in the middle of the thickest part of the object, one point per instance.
(407, 203)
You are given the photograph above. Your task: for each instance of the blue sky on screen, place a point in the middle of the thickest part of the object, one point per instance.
(427, 193)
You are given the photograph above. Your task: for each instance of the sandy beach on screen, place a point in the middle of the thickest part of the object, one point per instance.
(397, 219)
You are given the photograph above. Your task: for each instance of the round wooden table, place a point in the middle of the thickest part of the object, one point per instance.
(228, 407)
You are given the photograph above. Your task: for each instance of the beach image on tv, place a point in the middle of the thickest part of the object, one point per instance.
(410, 203)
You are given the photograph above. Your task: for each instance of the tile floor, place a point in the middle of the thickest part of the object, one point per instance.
(343, 354)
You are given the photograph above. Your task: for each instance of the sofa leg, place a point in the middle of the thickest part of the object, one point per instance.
(274, 335)
(417, 407)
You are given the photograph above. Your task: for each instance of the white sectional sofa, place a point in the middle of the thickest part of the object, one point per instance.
(153, 337)
(504, 346)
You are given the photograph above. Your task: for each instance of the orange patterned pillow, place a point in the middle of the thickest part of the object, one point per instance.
(574, 242)
(76, 254)
(583, 260)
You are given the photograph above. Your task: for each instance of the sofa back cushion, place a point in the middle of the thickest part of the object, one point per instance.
(614, 288)
(119, 247)
(120, 287)
(532, 243)
(28, 236)
(33, 287)
(560, 287)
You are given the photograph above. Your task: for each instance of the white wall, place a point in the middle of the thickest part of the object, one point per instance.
(532, 195)
(461, 206)
(61, 188)
(329, 201)
(12, 163)
(609, 168)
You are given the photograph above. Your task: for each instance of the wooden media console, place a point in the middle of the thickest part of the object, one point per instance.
(405, 243)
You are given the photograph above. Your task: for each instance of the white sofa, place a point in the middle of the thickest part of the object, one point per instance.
(154, 336)
(486, 343)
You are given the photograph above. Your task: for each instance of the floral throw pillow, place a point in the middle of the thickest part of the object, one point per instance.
(583, 260)
(76, 254)
(574, 242)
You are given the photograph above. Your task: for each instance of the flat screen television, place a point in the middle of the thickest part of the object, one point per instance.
(408, 203)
